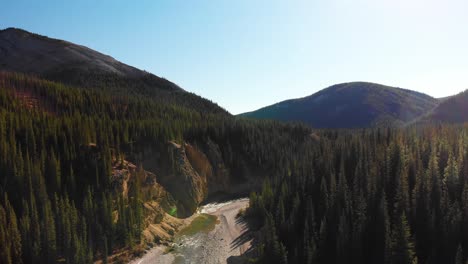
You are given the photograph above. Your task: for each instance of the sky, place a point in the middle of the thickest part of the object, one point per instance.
(246, 54)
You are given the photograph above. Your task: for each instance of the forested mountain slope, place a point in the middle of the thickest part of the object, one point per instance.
(454, 109)
(87, 172)
(351, 105)
(69, 63)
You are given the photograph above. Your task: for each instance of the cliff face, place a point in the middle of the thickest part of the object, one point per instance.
(192, 172)
(207, 161)
(160, 226)
(188, 187)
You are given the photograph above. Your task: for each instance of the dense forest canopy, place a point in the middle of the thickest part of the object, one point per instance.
(370, 196)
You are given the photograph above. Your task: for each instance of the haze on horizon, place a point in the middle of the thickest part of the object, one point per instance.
(245, 55)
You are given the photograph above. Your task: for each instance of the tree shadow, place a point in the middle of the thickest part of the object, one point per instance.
(246, 235)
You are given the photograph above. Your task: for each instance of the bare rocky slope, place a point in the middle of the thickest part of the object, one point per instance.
(26, 52)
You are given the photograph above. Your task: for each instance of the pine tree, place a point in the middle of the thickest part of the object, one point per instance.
(402, 244)
(48, 233)
(451, 178)
(5, 245)
(13, 234)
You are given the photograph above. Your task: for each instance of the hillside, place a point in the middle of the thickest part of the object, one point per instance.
(87, 173)
(453, 109)
(351, 105)
(69, 63)
(32, 53)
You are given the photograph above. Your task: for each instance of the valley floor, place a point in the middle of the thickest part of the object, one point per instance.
(224, 244)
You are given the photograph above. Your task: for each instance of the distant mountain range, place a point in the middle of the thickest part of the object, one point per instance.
(362, 104)
(347, 105)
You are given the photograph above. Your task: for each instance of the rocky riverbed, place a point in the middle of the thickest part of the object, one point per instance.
(222, 244)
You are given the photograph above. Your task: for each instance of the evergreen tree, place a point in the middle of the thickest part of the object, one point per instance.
(402, 244)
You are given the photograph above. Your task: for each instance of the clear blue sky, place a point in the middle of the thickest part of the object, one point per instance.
(245, 54)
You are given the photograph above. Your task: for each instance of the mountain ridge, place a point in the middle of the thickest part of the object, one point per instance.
(76, 65)
(351, 105)
(24, 42)
(452, 109)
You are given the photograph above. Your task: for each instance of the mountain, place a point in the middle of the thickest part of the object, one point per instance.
(453, 109)
(27, 52)
(72, 64)
(351, 105)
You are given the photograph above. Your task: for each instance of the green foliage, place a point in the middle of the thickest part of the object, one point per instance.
(173, 211)
(202, 223)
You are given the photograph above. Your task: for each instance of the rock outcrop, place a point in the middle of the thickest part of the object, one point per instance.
(192, 172)
(187, 186)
